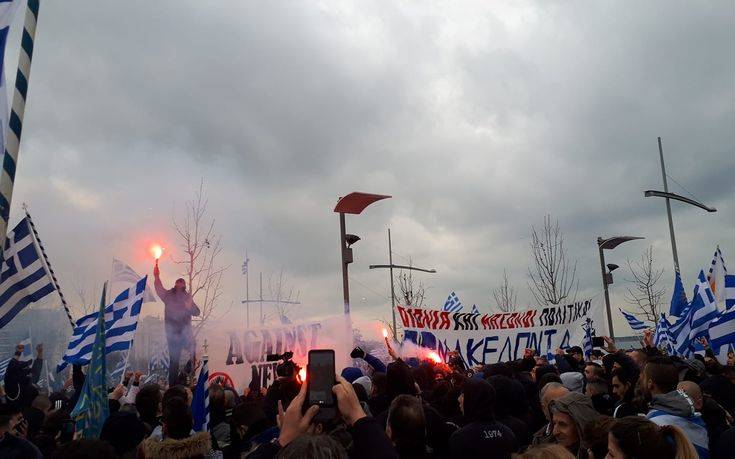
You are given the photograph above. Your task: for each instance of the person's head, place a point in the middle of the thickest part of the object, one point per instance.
(576, 353)
(10, 416)
(546, 451)
(623, 384)
(573, 380)
(58, 424)
(367, 383)
(177, 420)
(637, 437)
(399, 380)
(179, 285)
(595, 387)
(148, 402)
(543, 370)
(124, 431)
(549, 393)
(548, 378)
(570, 414)
(177, 391)
(246, 417)
(660, 376)
(731, 359)
(406, 426)
(85, 448)
(694, 392)
(593, 370)
(313, 447)
(594, 437)
(41, 403)
(639, 357)
(477, 401)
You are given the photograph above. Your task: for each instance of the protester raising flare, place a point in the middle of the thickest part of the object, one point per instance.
(178, 311)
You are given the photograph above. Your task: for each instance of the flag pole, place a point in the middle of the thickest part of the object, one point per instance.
(48, 265)
(15, 124)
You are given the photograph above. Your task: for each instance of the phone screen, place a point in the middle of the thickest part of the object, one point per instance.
(598, 341)
(320, 378)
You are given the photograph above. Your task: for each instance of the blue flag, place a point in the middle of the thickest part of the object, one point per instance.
(200, 401)
(92, 408)
(679, 302)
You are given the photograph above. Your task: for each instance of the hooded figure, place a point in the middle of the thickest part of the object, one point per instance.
(675, 408)
(482, 435)
(571, 413)
(179, 308)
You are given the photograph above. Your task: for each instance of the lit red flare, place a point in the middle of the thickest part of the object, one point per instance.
(302, 374)
(385, 333)
(156, 251)
(433, 356)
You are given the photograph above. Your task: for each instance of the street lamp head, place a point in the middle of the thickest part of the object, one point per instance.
(351, 239)
(612, 242)
(612, 267)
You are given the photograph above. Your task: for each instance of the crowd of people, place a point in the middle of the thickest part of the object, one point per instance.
(617, 404)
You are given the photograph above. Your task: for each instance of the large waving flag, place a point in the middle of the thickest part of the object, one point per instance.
(722, 334)
(716, 277)
(679, 335)
(452, 304)
(92, 409)
(703, 308)
(200, 401)
(24, 278)
(679, 302)
(124, 274)
(635, 323)
(121, 321)
(661, 336)
(729, 291)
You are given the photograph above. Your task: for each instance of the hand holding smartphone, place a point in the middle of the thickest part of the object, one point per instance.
(320, 373)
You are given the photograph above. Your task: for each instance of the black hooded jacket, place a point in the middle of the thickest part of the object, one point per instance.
(482, 435)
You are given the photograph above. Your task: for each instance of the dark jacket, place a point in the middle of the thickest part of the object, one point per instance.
(19, 379)
(12, 447)
(482, 435)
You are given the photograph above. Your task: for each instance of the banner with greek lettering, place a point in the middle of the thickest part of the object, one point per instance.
(241, 354)
(491, 338)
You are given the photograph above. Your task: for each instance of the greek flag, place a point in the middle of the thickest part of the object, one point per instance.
(661, 336)
(452, 304)
(716, 276)
(679, 300)
(245, 265)
(121, 321)
(722, 334)
(703, 308)
(24, 278)
(200, 401)
(124, 274)
(633, 321)
(587, 341)
(729, 291)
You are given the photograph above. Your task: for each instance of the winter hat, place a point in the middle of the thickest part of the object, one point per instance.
(573, 381)
(351, 374)
(479, 400)
(365, 382)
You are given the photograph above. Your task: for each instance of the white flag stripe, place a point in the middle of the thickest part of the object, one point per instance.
(124, 274)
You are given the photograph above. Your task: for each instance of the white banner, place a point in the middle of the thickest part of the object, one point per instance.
(491, 338)
(242, 353)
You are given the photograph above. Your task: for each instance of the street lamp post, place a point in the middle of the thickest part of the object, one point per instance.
(353, 203)
(390, 266)
(607, 279)
(669, 196)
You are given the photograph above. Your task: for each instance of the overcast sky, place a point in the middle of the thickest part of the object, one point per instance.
(477, 118)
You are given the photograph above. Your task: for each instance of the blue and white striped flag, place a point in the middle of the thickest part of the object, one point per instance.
(474, 309)
(200, 401)
(729, 291)
(587, 341)
(121, 321)
(679, 334)
(716, 277)
(661, 335)
(703, 308)
(722, 334)
(24, 277)
(127, 276)
(679, 302)
(452, 304)
(635, 323)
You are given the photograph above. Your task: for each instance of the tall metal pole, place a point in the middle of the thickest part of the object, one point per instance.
(668, 206)
(247, 287)
(604, 285)
(17, 112)
(392, 287)
(343, 251)
(261, 299)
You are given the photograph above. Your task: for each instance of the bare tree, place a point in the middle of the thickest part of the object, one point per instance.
(283, 295)
(201, 247)
(505, 295)
(88, 300)
(553, 275)
(412, 293)
(644, 293)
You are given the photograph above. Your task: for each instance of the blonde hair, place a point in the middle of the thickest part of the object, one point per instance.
(549, 450)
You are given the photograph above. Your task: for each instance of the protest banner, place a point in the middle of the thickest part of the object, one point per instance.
(242, 353)
(491, 338)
